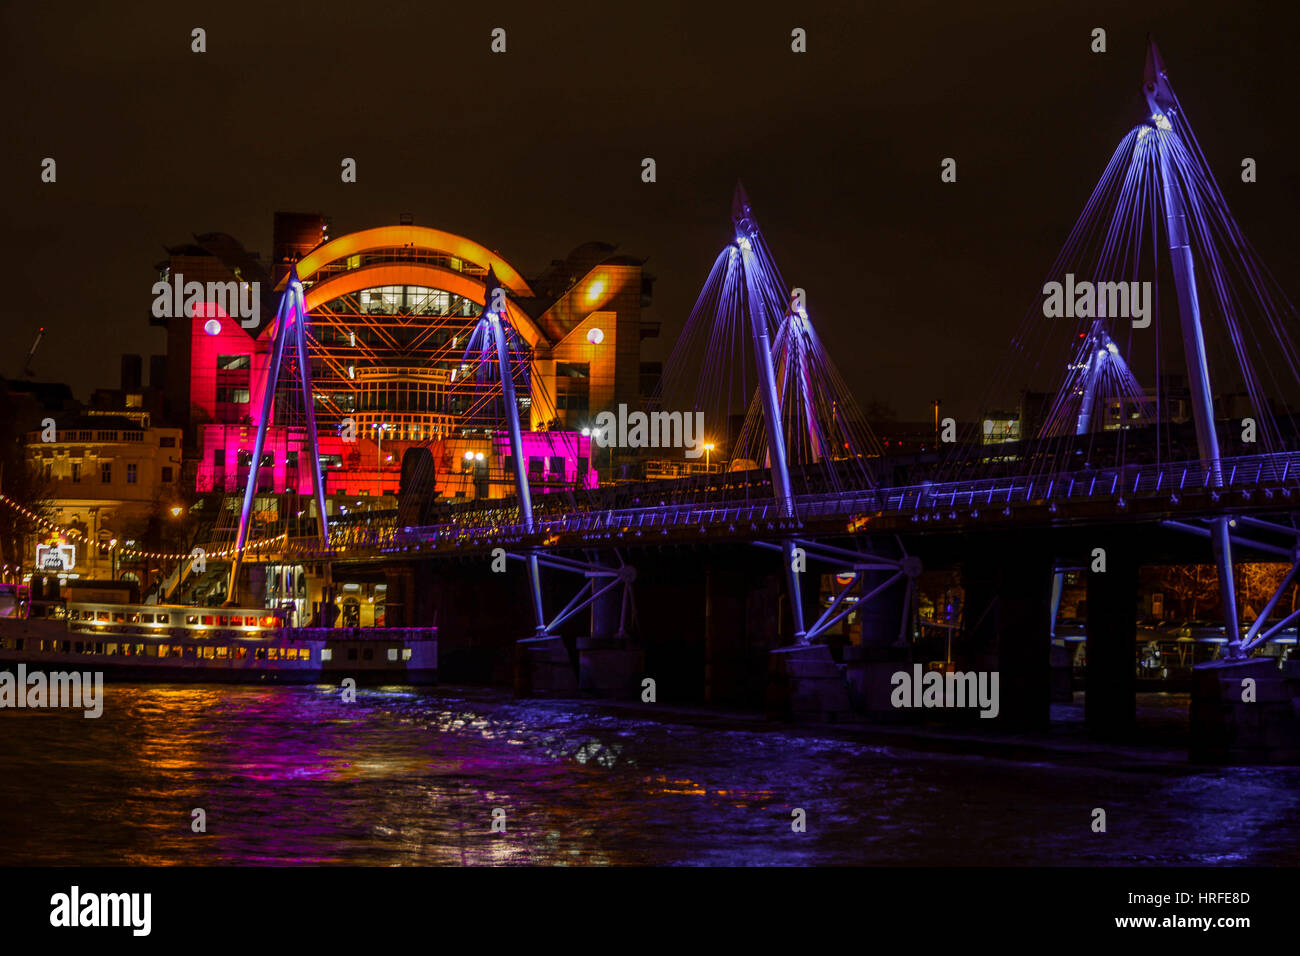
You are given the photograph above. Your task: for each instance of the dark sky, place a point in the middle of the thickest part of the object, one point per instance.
(914, 284)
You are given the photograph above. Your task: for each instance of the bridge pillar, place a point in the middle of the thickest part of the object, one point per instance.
(806, 684)
(1024, 638)
(871, 665)
(743, 608)
(1110, 705)
(724, 630)
(398, 609)
(882, 616)
(1005, 627)
(609, 663)
(544, 668)
(1245, 711)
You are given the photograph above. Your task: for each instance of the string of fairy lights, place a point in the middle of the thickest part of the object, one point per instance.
(75, 534)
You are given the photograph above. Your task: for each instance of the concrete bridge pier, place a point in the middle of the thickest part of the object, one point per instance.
(1246, 711)
(869, 667)
(1110, 707)
(544, 667)
(610, 663)
(805, 681)
(1006, 629)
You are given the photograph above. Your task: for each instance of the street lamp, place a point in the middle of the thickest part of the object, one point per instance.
(707, 450)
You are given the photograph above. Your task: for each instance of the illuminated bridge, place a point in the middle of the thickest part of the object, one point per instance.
(1163, 434)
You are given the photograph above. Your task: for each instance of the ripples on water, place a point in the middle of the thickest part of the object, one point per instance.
(295, 776)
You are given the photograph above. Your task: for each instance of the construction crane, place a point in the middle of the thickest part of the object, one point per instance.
(27, 366)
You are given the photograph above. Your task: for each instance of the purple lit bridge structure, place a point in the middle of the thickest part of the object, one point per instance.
(1169, 312)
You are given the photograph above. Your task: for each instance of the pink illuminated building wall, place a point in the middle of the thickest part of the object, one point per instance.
(228, 382)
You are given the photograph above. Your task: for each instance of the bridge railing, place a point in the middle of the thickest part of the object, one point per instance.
(501, 524)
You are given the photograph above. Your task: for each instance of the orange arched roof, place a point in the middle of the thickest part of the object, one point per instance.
(419, 237)
(422, 274)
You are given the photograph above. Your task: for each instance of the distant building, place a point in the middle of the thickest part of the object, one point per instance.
(391, 312)
(107, 475)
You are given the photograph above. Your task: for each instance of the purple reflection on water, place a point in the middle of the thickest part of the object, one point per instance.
(294, 776)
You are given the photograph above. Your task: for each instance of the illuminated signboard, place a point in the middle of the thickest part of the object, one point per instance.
(56, 557)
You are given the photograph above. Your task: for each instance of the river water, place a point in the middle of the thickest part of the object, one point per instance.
(298, 776)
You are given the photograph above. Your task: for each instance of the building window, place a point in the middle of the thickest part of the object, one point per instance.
(130, 474)
(232, 396)
(167, 441)
(76, 472)
(167, 473)
(230, 363)
(106, 472)
(573, 388)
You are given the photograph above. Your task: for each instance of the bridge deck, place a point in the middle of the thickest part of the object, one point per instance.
(1088, 494)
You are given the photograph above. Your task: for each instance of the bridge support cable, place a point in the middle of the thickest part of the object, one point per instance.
(495, 343)
(1239, 351)
(754, 268)
(1162, 103)
(290, 334)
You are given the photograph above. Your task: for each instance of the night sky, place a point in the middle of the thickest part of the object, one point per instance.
(915, 285)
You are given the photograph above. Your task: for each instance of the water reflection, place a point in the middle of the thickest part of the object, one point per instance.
(294, 775)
